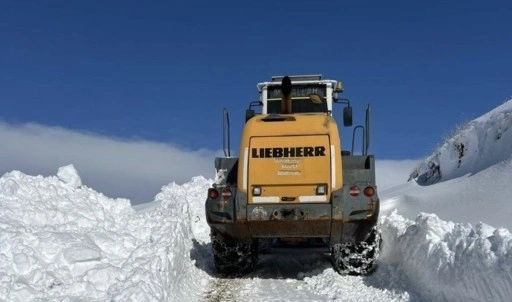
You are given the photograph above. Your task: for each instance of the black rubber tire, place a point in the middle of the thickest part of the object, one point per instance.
(357, 258)
(265, 245)
(232, 257)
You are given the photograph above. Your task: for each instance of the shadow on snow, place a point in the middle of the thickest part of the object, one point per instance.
(292, 262)
(282, 262)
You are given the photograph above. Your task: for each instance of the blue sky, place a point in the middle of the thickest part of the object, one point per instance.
(163, 70)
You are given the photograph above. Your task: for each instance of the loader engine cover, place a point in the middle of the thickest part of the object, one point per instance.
(289, 169)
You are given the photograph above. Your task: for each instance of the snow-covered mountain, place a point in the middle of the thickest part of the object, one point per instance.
(446, 237)
(476, 146)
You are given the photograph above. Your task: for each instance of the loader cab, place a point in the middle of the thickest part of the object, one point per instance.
(310, 94)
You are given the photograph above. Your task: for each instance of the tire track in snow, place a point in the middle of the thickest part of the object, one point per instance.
(277, 277)
(223, 290)
(299, 274)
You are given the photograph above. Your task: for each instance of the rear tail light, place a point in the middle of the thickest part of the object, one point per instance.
(226, 194)
(256, 191)
(213, 193)
(321, 190)
(354, 191)
(369, 191)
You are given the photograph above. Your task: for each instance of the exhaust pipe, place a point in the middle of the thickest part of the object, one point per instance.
(286, 92)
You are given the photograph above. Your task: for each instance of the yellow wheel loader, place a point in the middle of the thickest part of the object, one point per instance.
(293, 180)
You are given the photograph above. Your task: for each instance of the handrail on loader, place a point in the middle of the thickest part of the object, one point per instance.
(225, 133)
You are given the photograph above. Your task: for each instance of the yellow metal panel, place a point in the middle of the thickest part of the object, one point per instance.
(289, 166)
(298, 172)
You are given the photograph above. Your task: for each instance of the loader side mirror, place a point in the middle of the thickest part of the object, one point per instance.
(249, 113)
(339, 87)
(347, 116)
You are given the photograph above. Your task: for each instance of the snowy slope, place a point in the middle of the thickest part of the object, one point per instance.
(481, 197)
(476, 146)
(60, 240)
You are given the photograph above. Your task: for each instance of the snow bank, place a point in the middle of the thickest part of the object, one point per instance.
(60, 240)
(477, 145)
(444, 261)
(428, 259)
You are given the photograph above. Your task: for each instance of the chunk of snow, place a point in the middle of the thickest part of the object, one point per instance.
(69, 175)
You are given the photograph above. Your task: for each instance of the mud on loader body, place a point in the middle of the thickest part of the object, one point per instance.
(292, 180)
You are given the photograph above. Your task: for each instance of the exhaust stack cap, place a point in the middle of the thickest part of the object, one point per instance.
(286, 87)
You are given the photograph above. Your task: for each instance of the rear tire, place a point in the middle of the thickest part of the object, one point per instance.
(358, 258)
(233, 257)
(265, 245)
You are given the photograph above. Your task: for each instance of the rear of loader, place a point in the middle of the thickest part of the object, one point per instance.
(293, 181)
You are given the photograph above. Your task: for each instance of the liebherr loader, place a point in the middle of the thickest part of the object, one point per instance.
(293, 180)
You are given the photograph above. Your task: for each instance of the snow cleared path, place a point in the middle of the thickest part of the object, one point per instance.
(298, 274)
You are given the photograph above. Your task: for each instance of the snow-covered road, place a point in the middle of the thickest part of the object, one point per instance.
(300, 274)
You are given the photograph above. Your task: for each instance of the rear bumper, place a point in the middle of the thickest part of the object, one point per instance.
(244, 222)
(289, 220)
